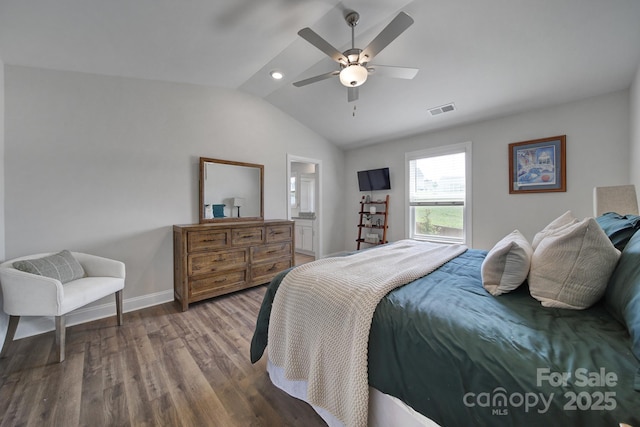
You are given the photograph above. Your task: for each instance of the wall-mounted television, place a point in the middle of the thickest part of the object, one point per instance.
(374, 180)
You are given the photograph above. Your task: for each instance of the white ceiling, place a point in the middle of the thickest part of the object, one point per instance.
(490, 57)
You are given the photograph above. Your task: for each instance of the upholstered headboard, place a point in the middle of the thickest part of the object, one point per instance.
(620, 199)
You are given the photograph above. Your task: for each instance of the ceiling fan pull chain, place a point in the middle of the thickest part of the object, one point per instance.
(354, 111)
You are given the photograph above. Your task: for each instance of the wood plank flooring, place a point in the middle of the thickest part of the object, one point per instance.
(303, 258)
(163, 367)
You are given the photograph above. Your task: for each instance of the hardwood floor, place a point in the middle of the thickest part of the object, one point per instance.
(163, 367)
(303, 258)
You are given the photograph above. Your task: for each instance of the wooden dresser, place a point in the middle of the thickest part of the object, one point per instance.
(217, 258)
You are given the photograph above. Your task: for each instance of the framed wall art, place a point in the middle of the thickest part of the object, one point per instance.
(538, 166)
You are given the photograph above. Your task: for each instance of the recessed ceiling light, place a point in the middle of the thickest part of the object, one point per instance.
(276, 75)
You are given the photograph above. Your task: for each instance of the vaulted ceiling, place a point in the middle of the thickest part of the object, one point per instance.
(489, 58)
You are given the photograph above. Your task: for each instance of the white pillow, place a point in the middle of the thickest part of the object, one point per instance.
(507, 264)
(559, 223)
(571, 266)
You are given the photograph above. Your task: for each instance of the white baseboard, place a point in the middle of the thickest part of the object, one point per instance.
(34, 325)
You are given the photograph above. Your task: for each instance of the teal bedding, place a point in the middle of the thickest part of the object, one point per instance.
(462, 357)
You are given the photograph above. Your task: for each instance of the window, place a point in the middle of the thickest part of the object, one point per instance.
(293, 200)
(439, 194)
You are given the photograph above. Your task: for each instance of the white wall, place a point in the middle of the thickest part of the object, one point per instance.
(634, 155)
(2, 244)
(107, 165)
(597, 132)
(3, 317)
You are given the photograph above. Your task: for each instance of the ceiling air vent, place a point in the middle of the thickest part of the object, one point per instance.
(442, 109)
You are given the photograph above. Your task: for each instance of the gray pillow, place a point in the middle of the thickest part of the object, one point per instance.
(62, 266)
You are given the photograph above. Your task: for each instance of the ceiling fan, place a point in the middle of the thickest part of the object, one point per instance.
(354, 63)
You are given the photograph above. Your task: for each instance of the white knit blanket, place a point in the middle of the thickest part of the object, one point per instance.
(321, 317)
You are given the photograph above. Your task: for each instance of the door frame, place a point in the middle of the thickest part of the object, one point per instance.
(317, 238)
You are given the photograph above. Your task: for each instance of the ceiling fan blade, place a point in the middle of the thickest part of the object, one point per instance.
(396, 27)
(314, 79)
(352, 94)
(393, 72)
(312, 37)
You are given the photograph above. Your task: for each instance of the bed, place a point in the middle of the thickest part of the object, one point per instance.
(443, 350)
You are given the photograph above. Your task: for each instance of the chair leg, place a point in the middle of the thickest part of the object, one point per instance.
(119, 307)
(60, 337)
(11, 332)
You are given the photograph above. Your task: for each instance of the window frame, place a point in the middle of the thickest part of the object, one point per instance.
(464, 147)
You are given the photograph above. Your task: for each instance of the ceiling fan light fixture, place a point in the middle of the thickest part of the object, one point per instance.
(353, 75)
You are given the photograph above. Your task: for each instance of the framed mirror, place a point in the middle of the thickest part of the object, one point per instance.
(230, 191)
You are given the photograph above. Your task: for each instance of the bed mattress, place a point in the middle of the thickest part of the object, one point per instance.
(384, 410)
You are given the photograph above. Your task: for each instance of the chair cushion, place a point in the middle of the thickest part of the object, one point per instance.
(88, 289)
(61, 266)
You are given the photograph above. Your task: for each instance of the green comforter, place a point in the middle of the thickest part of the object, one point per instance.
(462, 357)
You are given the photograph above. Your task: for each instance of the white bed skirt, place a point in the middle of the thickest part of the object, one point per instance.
(384, 410)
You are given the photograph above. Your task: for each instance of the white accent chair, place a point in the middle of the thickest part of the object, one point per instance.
(27, 294)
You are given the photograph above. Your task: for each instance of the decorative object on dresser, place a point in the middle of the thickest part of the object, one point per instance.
(371, 225)
(216, 259)
(208, 212)
(237, 203)
(218, 210)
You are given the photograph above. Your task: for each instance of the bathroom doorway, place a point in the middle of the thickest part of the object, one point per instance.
(303, 206)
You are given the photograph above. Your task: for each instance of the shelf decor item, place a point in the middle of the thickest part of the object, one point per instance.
(372, 238)
(538, 166)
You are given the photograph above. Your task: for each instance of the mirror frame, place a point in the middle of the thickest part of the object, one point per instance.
(203, 220)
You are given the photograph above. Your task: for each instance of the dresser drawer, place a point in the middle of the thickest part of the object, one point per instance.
(207, 240)
(270, 252)
(247, 236)
(279, 233)
(215, 261)
(208, 286)
(264, 272)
